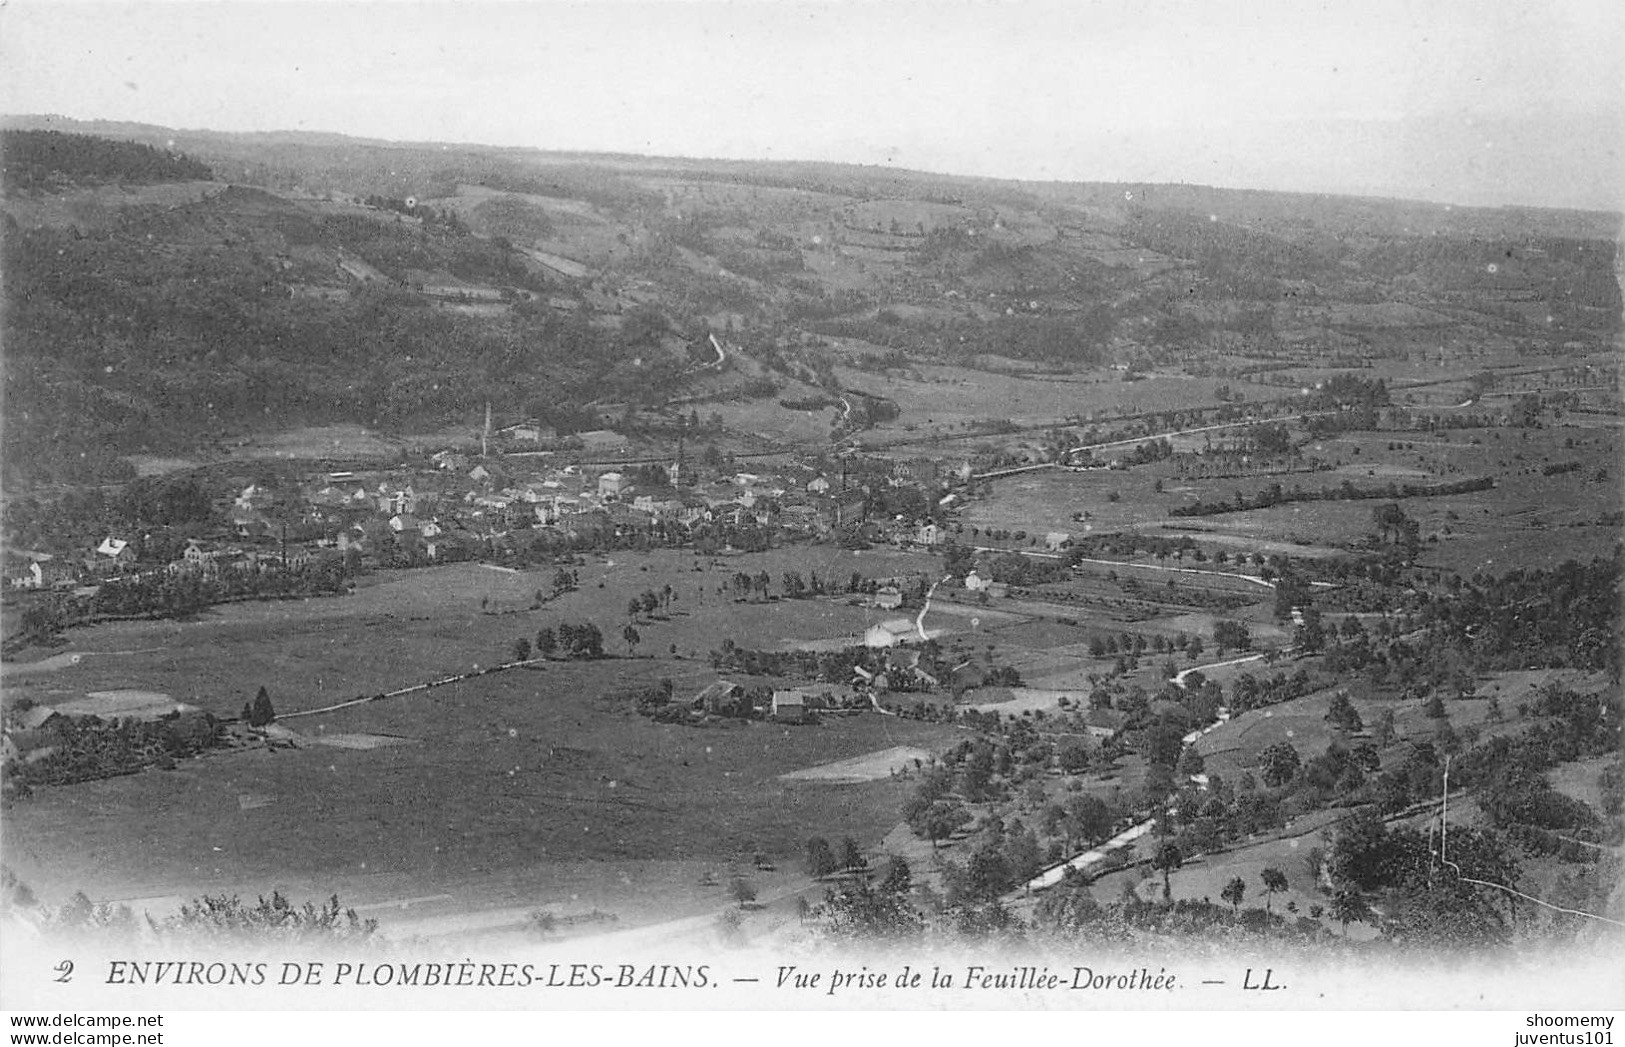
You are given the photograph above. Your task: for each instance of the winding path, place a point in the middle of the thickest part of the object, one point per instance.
(919, 620)
(1053, 875)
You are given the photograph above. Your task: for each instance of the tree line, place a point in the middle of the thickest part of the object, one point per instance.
(35, 159)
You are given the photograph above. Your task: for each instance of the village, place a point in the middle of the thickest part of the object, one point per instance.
(456, 505)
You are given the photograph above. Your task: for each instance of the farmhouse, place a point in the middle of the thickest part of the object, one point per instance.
(889, 633)
(32, 570)
(789, 707)
(888, 598)
(36, 717)
(928, 534)
(1104, 723)
(612, 485)
(113, 553)
(30, 576)
(716, 698)
(29, 746)
(200, 555)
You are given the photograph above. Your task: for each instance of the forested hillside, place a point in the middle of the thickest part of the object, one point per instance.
(40, 158)
(400, 286)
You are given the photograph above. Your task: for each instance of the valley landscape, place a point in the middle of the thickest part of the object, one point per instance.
(525, 546)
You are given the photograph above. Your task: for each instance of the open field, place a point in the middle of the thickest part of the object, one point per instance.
(1234, 747)
(944, 399)
(522, 769)
(1582, 780)
(504, 778)
(1529, 518)
(513, 771)
(405, 627)
(1046, 499)
(767, 419)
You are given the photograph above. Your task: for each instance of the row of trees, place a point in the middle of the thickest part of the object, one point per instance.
(217, 919)
(163, 594)
(1275, 494)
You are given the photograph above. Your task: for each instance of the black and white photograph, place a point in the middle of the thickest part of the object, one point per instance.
(727, 505)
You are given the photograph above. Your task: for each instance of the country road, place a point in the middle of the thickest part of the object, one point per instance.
(1254, 579)
(919, 621)
(1081, 862)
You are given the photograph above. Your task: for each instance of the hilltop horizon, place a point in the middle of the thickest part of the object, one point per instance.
(322, 136)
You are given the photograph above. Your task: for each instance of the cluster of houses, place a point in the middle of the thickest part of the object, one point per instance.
(460, 506)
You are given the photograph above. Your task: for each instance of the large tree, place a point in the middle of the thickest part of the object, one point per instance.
(1167, 858)
(1274, 883)
(941, 820)
(1280, 763)
(1342, 714)
(260, 712)
(1349, 906)
(820, 858)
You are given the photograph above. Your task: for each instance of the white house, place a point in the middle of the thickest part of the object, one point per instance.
(30, 577)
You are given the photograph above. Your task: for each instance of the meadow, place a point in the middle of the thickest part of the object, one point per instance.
(943, 400)
(522, 773)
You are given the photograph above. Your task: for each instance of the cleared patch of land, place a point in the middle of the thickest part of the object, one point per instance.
(114, 705)
(866, 768)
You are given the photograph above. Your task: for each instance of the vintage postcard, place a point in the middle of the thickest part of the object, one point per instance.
(699, 505)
